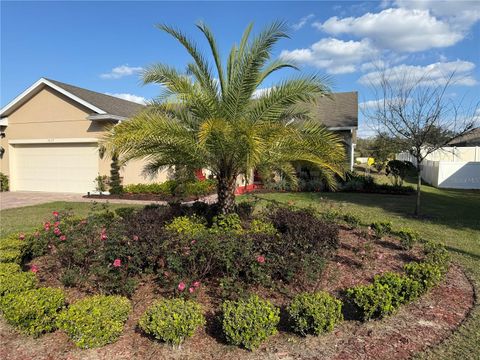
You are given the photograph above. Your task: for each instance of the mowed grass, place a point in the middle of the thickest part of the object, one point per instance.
(450, 216)
(28, 218)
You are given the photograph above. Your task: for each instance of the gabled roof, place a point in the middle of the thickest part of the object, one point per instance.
(471, 138)
(339, 111)
(101, 104)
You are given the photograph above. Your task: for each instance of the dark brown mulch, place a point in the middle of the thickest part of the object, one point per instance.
(416, 326)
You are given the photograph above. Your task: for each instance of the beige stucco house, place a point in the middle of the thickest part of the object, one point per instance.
(50, 136)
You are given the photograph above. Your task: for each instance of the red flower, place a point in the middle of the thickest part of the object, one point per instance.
(56, 223)
(57, 231)
(181, 286)
(191, 290)
(196, 284)
(261, 259)
(46, 226)
(63, 238)
(55, 213)
(103, 234)
(117, 263)
(135, 237)
(21, 236)
(34, 268)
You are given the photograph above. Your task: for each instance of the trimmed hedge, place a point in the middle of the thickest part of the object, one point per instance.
(9, 268)
(95, 320)
(427, 274)
(33, 312)
(403, 288)
(12, 249)
(249, 322)
(173, 320)
(314, 313)
(372, 301)
(16, 282)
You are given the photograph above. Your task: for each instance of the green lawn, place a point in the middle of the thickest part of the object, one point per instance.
(451, 216)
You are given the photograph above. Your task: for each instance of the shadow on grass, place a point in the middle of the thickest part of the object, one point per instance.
(453, 208)
(463, 252)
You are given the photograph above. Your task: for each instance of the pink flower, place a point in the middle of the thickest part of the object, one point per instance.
(55, 213)
(21, 236)
(63, 238)
(260, 259)
(34, 269)
(135, 237)
(103, 234)
(117, 263)
(57, 231)
(193, 242)
(56, 223)
(181, 286)
(46, 226)
(196, 284)
(191, 290)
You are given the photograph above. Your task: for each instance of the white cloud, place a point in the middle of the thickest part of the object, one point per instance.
(302, 22)
(334, 55)
(398, 29)
(130, 97)
(460, 14)
(261, 92)
(121, 71)
(436, 73)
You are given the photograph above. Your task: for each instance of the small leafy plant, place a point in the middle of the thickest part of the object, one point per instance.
(16, 282)
(185, 225)
(381, 228)
(427, 274)
(173, 320)
(95, 320)
(34, 312)
(12, 248)
(408, 238)
(372, 301)
(314, 313)
(403, 288)
(249, 322)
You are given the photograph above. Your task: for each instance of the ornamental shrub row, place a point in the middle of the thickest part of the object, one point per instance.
(173, 188)
(391, 290)
(12, 249)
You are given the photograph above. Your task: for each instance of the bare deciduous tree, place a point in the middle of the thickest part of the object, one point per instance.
(418, 112)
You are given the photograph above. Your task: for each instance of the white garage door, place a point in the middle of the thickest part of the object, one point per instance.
(55, 167)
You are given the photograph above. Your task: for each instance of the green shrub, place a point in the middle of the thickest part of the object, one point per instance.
(9, 268)
(227, 223)
(371, 301)
(12, 249)
(249, 322)
(16, 282)
(314, 313)
(4, 185)
(173, 320)
(33, 312)
(427, 274)
(185, 225)
(262, 227)
(95, 321)
(381, 228)
(403, 288)
(352, 220)
(408, 237)
(437, 254)
(123, 212)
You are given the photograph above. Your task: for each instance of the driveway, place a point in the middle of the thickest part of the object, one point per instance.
(10, 200)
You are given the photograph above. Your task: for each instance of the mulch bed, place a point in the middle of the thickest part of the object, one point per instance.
(415, 327)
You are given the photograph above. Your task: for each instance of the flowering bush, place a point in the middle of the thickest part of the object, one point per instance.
(33, 312)
(173, 320)
(249, 322)
(314, 313)
(95, 320)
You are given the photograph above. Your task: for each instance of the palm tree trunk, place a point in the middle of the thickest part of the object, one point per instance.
(226, 194)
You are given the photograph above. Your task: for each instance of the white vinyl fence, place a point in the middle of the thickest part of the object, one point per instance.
(455, 168)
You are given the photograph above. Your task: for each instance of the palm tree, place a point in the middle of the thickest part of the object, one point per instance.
(211, 116)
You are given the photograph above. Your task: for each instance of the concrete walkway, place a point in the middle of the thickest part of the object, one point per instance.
(10, 200)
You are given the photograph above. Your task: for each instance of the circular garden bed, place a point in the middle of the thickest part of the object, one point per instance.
(180, 282)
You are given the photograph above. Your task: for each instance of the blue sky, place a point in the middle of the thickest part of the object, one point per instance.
(103, 45)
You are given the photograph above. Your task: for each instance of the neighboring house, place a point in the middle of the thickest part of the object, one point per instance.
(51, 133)
(471, 138)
